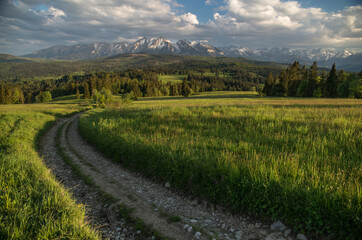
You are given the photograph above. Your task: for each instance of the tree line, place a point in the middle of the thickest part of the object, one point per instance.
(136, 82)
(297, 81)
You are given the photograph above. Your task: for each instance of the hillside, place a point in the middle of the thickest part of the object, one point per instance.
(11, 58)
(12, 70)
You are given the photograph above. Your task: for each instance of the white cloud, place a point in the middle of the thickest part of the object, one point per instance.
(92, 21)
(288, 24)
(55, 13)
(190, 18)
(257, 23)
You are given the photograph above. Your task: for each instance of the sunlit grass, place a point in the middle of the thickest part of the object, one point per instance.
(298, 160)
(172, 78)
(33, 205)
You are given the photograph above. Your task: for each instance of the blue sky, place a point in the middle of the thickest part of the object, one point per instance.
(29, 25)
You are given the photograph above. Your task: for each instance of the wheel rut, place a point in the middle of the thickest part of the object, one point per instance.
(172, 215)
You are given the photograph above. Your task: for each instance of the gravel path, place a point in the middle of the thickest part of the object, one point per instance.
(172, 215)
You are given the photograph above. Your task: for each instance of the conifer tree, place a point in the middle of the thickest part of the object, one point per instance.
(2, 94)
(312, 80)
(331, 83)
(77, 94)
(284, 82)
(86, 91)
(295, 78)
(269, 84)
(186, 91)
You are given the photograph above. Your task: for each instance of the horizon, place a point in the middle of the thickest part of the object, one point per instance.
(357, 50)
(308, 24)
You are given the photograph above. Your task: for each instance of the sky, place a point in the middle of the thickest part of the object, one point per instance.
(29, 25)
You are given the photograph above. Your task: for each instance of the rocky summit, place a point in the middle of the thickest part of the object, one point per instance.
(346, 59)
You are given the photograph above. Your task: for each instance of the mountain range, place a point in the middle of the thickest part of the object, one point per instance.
(344, 59)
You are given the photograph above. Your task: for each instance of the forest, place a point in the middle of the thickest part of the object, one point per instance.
(202, 76)
(297, 81)
(136, 82)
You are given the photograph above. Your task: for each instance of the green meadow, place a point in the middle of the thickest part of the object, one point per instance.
(172, 78)
(33, 205)
(292, 159)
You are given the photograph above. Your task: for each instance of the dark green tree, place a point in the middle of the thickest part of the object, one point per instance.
(284, 83)
(295, 77)
(331, 83)
(77, 94)
(312, 80)
(343, 88)
(86, 91)
(186, 90)
(2, 94)
(269, 85)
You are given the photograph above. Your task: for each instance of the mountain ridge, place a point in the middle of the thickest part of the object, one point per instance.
(346, 59)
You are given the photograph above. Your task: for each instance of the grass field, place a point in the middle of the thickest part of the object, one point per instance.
(179, 78)
(297, 160)
(172, 78)
(33, 205)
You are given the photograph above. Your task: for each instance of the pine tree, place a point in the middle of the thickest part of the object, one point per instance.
(2, 94)
(295, 77)
(86, 91)
(284, 82)
(312, 80)
(29, 97)
(77, 94)
(269, 84)
(186, 91)
(331, 84)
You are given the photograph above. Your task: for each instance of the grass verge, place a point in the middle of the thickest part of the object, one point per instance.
(33, 205)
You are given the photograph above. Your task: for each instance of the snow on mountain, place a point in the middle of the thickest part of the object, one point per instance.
(160, 45)
(324, 57)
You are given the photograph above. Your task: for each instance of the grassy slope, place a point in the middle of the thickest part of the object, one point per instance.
(33, 205)
(298, 160)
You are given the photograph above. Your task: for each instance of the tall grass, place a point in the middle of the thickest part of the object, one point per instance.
(286, 159)
(33, 205)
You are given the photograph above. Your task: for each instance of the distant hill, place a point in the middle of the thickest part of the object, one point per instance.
(344, 59)
(11, 58)
(55, 68)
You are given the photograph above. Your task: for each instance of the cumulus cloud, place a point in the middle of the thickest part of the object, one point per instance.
(51, 15)
(288, 24)
(60, 22)
(28, 25)
(190, 18)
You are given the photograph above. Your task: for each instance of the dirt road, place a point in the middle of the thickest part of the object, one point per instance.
(172, 215)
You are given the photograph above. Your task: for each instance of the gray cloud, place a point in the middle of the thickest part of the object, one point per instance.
(259, 23)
